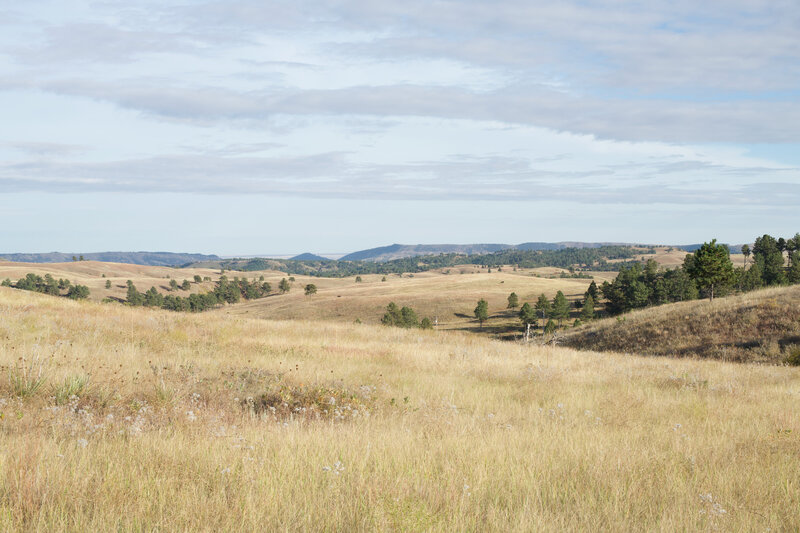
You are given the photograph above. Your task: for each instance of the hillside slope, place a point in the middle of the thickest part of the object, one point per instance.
(449, 297)
(761, 326)
(151, 420)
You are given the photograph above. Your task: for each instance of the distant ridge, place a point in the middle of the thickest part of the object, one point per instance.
(310, 257)
(133, 258)
(399, 251)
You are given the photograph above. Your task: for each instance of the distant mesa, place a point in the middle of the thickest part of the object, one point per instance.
(133, 258)
(310, 257)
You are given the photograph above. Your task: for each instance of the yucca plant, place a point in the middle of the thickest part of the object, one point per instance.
(26, 378)
(71, 386)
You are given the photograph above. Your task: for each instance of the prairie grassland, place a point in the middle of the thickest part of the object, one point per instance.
(132, 419)
(450, 297)
(761, 326)
(91, 274)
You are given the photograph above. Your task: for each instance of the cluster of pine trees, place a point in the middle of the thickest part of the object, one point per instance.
(404, 317)
(49, 285)
(554, 312)
(708, 272)
(225, 291)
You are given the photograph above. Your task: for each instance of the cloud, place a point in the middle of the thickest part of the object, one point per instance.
(99, 43)
(44, 149)
(462, 177)
(630, 120)
(683, 71)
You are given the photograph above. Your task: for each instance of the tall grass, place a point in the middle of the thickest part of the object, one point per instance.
(429, 431)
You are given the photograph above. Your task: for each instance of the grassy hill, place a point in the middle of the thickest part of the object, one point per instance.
(114, 418)
(95, 274)
(761, 326)
(449, 295)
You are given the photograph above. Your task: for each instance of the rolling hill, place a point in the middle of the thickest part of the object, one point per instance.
(126, 419)
(310, 257)
(761, 326)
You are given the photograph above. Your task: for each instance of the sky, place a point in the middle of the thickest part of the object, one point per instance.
(246, 127)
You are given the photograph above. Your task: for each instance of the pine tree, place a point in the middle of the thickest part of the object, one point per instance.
(560, 309)
(543, 306)
(482, 311)
(408, 318)
(78, 292)
(592, 291)
(587, 313)
(284, 286)
(794, 270)
(392, 316)
(527, 314)
(745, 253)
(513, 300)
(711, 267)
(767, 253)
(134, 297)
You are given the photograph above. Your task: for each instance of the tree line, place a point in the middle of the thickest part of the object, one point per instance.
(587, 258)
(49, 285)
(225, 291)
(708, 272)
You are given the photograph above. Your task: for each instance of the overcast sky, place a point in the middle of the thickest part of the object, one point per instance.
(267, 127)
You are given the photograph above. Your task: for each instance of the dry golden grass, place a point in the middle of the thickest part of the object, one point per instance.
(761, 326)
(90, 273)
(449, 294)
(449, 297)
(453, 432)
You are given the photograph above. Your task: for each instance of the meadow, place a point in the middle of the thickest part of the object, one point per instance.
(449, 294)
(113, 418)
